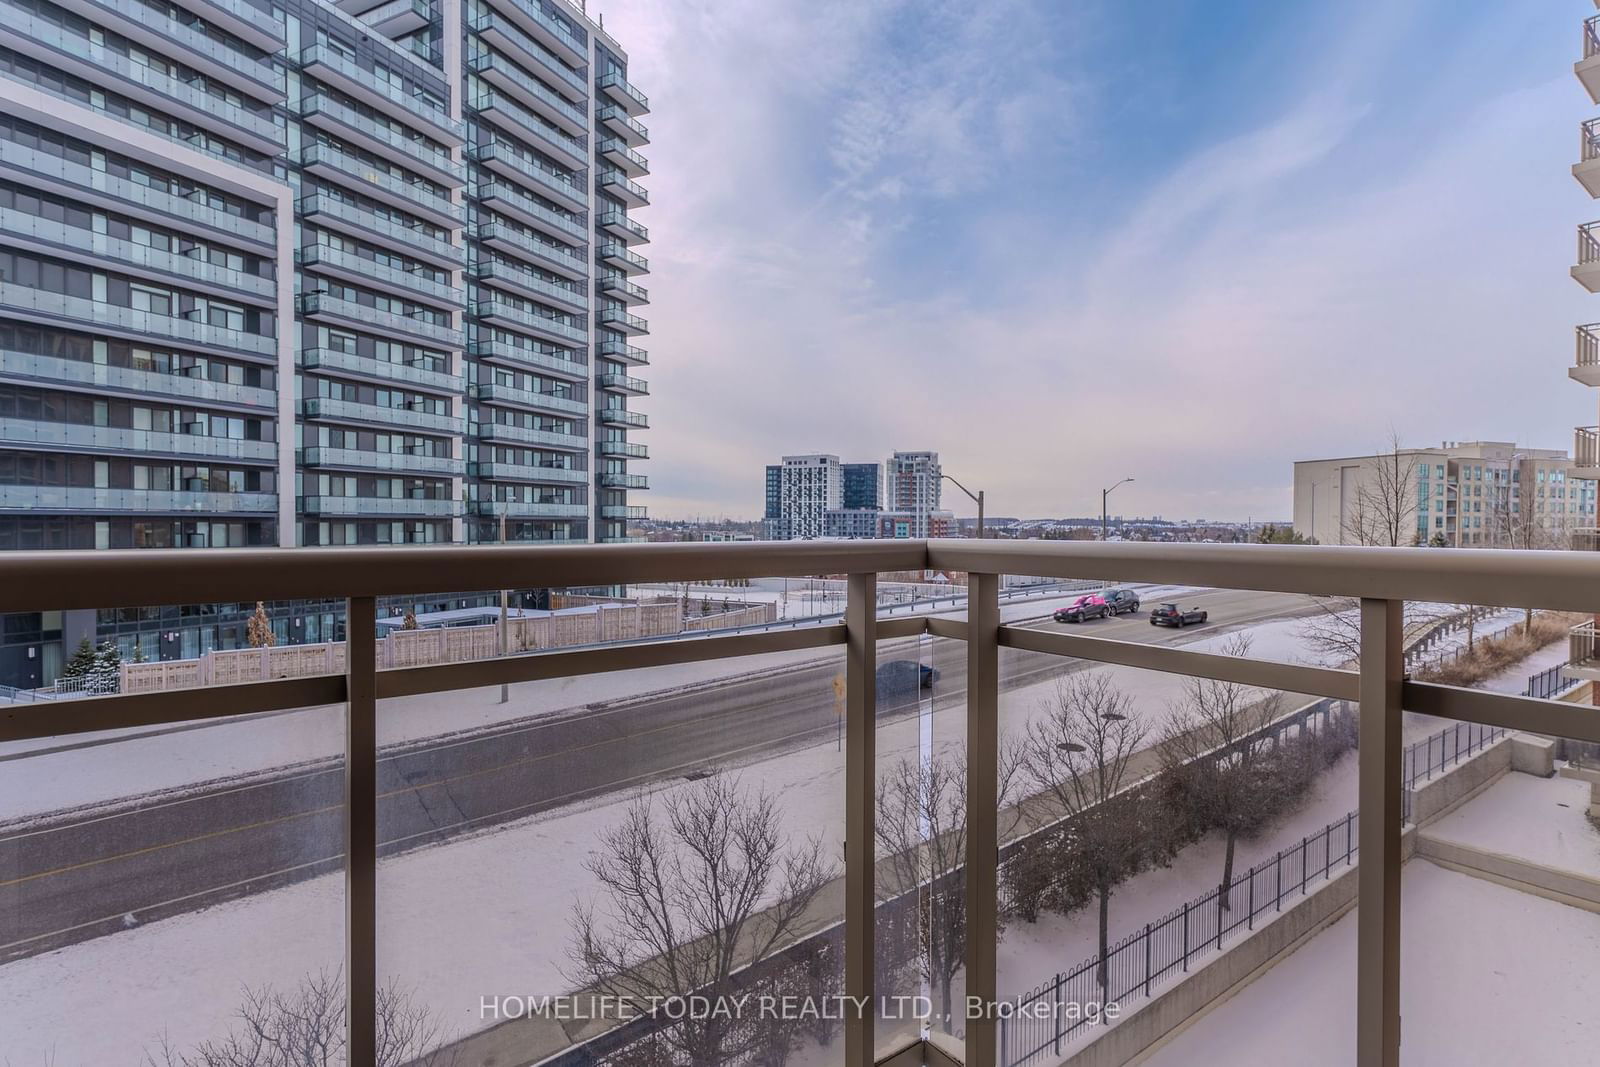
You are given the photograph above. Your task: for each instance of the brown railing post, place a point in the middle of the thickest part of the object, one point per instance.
(361, 829)
(861, 665)
(983, 815)
(1378, 900)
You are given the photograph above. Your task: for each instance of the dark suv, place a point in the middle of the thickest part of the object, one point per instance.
(1172, 615)
(1085, 607)
(1119, 601)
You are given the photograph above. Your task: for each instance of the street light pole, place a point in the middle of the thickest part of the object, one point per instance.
(1103, 518)
(976, 499)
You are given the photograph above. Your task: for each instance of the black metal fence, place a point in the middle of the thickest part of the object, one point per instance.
(1548, 683)
(1042, 1021)
(1052, 1013)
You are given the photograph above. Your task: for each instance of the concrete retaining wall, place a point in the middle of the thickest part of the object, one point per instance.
(1524, 875)
(1444, 792)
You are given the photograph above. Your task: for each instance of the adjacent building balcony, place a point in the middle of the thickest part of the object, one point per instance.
(380, 372)
(185, 266)
(618, 185)
(1587, 270)
(1582, 661)
(45, 171)
(506, 276)
(31, 435)
(348, 124)
(1588, 68)
(617, 319)
(507, 199)
(359, 270)
(1585, 454)
(625, 96)
(618, 256)
(418, 198)
(1586, 365)
(328, 409)
(525, 435)
(328, 65)
(504, 112)
(28, 368)
(569, 44)
(622, 417)
(39, 305)
(622, 383)
(165, 31)
(618, 287)
(50, 498)
(259, 26)
(1587, 169)
(625, 126)
(506, 75)
(557, 259)
(617, 151)
(415, 461)
(396, 18)
(530, 359)
(620, 226)
(622, 481)
(362, 506)
(531, 509)
(529, 400)
(509, 38)
(623, 449)
(524, 171)
(528, 321)
(532, 473)
(623, 511)
(74, 53)
(623, 352)
(366, 225)
(327, 308)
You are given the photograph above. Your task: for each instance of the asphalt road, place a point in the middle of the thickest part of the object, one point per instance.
(85, 876)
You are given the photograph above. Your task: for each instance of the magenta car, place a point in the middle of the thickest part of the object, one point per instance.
(1085, 607)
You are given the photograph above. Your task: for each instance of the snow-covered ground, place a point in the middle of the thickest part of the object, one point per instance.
(1541, 820)
(1488, 976)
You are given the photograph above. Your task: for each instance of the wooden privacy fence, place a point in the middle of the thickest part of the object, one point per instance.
(456, 644)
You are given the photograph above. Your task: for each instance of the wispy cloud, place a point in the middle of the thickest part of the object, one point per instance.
(884, 224)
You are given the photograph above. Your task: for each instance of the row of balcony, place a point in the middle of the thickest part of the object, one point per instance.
(618, 319)
(45, 306)
(628, 262)
(529, 358)
(30, 368)
(327, 308)
(620, 186)
(55, 238)
(510, 38)
(513, 202)
(555, 258)
(527, 472)
(620, 288)
(46, 171)
(36, 435)
(630, 162)
(507, 276)
(328, 409)
(169, 36)
(504, 111)
(510, 163)
(531, 509)
(353, 267)
(525, 435)
(517, 318)
(625, 96)
(506, 75)
(618, 121)
(619, 225)
(415, 507)
(351, 459)
(528, 399)
(347, 218)
(328, 65)
(134, 501)
(329, 162)
(21, 30)
(348, 124)
(379, 372)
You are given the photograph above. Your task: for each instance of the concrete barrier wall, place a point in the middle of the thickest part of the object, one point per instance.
(1443, 792)
(1567, 887)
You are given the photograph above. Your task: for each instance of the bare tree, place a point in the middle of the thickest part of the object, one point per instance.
(1079, 754)
(686, 896)
(1384, 508)
(305, 1027)
(1335, 630)
(1217, 750)
(1528, 520)
(921, 830)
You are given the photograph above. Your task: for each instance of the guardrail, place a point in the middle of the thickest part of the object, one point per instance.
(1383, 579)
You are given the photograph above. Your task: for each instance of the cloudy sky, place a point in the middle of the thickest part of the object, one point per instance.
(1067, 241)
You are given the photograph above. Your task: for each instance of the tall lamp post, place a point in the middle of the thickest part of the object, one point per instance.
(1103, 494)
(978, 500)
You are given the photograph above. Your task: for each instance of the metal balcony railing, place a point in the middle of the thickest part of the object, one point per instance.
(1588, 354)
(1586, 446)
(1580, 644)
(1383, 580)
(1589, 138)
(1591, 36)
(1589, 242)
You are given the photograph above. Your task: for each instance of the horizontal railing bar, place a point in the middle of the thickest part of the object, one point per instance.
(51, 581)
(1556, 718)
(536, 666)
(955, 629)
(1285, 677)
(1558, 580)
(89, 714)
(906, 626)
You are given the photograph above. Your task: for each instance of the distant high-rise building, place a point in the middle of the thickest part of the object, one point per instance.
(808, 487)
(915, 485)
(863, 486)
